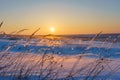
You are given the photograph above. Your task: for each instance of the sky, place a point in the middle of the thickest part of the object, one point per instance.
(65, 16)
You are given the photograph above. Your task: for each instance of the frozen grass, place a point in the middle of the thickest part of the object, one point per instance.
(29, 66)
(47, 66)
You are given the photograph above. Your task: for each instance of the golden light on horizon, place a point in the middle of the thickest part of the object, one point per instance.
(52, 29)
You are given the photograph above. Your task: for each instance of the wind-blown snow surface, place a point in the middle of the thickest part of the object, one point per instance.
(63, 47)
(66, 57)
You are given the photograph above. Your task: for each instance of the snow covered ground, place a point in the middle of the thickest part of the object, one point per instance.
(63, 58)
(62, 47)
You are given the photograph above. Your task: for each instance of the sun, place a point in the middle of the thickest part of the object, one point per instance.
(52, 29)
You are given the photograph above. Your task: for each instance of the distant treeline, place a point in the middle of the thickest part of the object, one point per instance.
(102, 37)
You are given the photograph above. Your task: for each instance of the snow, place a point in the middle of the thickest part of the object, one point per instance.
(60, 47)
(64, 54)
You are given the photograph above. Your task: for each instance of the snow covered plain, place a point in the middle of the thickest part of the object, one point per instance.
(61, 59)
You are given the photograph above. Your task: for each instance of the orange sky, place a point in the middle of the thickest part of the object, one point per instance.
(67, 17)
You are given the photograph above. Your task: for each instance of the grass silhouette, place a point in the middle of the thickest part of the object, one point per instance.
(27, 66)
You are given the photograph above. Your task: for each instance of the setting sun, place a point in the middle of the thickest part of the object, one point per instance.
(52, 29)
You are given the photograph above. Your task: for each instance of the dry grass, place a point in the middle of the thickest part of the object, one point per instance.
(21, 66)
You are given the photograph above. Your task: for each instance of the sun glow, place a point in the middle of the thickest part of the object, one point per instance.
(52, 29)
